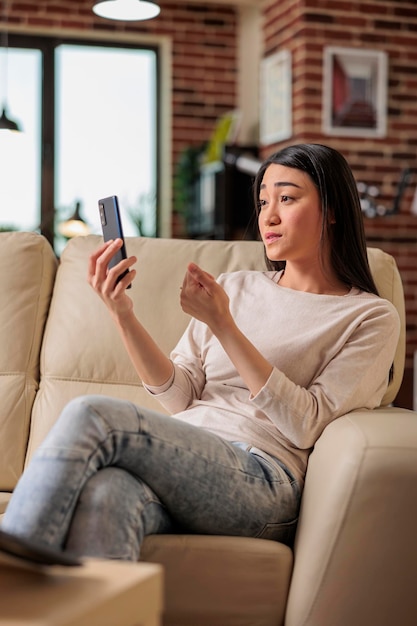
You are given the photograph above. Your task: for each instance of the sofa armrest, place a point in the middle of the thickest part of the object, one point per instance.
(355, 550)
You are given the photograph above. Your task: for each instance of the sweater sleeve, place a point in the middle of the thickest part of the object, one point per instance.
(357, 377)
(188, 380)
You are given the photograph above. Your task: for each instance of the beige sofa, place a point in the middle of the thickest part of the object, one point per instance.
(355, 557)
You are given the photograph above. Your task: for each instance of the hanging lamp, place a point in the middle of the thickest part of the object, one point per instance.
(74, 226)
(5, 122)
(129, 10)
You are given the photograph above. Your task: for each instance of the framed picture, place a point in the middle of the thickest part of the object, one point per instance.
(276, 98)
(354, 92)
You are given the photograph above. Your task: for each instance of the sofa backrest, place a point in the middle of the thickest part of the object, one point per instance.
(81, 350)
(28, 267)
(388, 281)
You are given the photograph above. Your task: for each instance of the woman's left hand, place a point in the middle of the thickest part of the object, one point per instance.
(203, 298)
(206, 300)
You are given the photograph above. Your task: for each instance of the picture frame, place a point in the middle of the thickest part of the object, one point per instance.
(276, 98)
(354, 92)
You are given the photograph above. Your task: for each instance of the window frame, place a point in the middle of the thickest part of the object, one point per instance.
(47, 45)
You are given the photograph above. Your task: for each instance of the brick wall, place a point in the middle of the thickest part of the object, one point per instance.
(305, 27)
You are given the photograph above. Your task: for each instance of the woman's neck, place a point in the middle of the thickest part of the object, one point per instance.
(312, 279)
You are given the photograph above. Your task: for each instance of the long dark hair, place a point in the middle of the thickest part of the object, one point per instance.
(342, 222)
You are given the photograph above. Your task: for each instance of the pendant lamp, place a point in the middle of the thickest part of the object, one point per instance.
(129, 10)
(7, 124)
(74, 226)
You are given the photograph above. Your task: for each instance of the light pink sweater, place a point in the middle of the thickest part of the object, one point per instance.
(331, 355)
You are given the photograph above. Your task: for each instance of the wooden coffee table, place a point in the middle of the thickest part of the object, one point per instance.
(98, 593)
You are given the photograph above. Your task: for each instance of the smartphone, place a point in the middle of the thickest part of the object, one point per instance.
(111, 225)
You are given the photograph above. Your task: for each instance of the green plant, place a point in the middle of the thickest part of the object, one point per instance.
(186, 175)
(6, 228)
(146, 206)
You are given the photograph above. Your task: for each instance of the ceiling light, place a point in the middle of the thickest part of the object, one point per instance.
(129, 10)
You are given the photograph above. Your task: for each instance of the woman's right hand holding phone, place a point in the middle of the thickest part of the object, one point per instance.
(150, 362)
(105, 281)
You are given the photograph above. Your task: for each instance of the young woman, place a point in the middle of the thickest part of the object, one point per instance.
(267, 361)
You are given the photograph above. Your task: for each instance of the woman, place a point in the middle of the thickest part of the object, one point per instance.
(267, 361)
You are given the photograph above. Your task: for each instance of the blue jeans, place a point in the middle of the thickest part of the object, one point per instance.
(109, 473)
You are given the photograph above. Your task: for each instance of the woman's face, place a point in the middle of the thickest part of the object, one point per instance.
(290, 216)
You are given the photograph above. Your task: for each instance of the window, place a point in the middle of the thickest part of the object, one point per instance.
(95, 124)
(20, 154)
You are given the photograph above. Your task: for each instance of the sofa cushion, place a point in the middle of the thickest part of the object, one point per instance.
(388, 281)
(26, 282)
(244, 581)
(82, 352)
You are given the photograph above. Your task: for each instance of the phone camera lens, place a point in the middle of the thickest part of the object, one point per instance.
(102, 215)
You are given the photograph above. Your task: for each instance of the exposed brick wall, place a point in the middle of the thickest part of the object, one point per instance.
(305, 27)
(204, 47)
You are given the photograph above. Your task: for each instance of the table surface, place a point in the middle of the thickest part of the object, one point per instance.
(97, 593)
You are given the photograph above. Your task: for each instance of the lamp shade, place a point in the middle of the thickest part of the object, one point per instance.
(129, 10)
(74, 226)
(8, 124)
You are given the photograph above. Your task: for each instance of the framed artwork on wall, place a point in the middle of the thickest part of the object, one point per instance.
(354, 92)
(276, 98)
